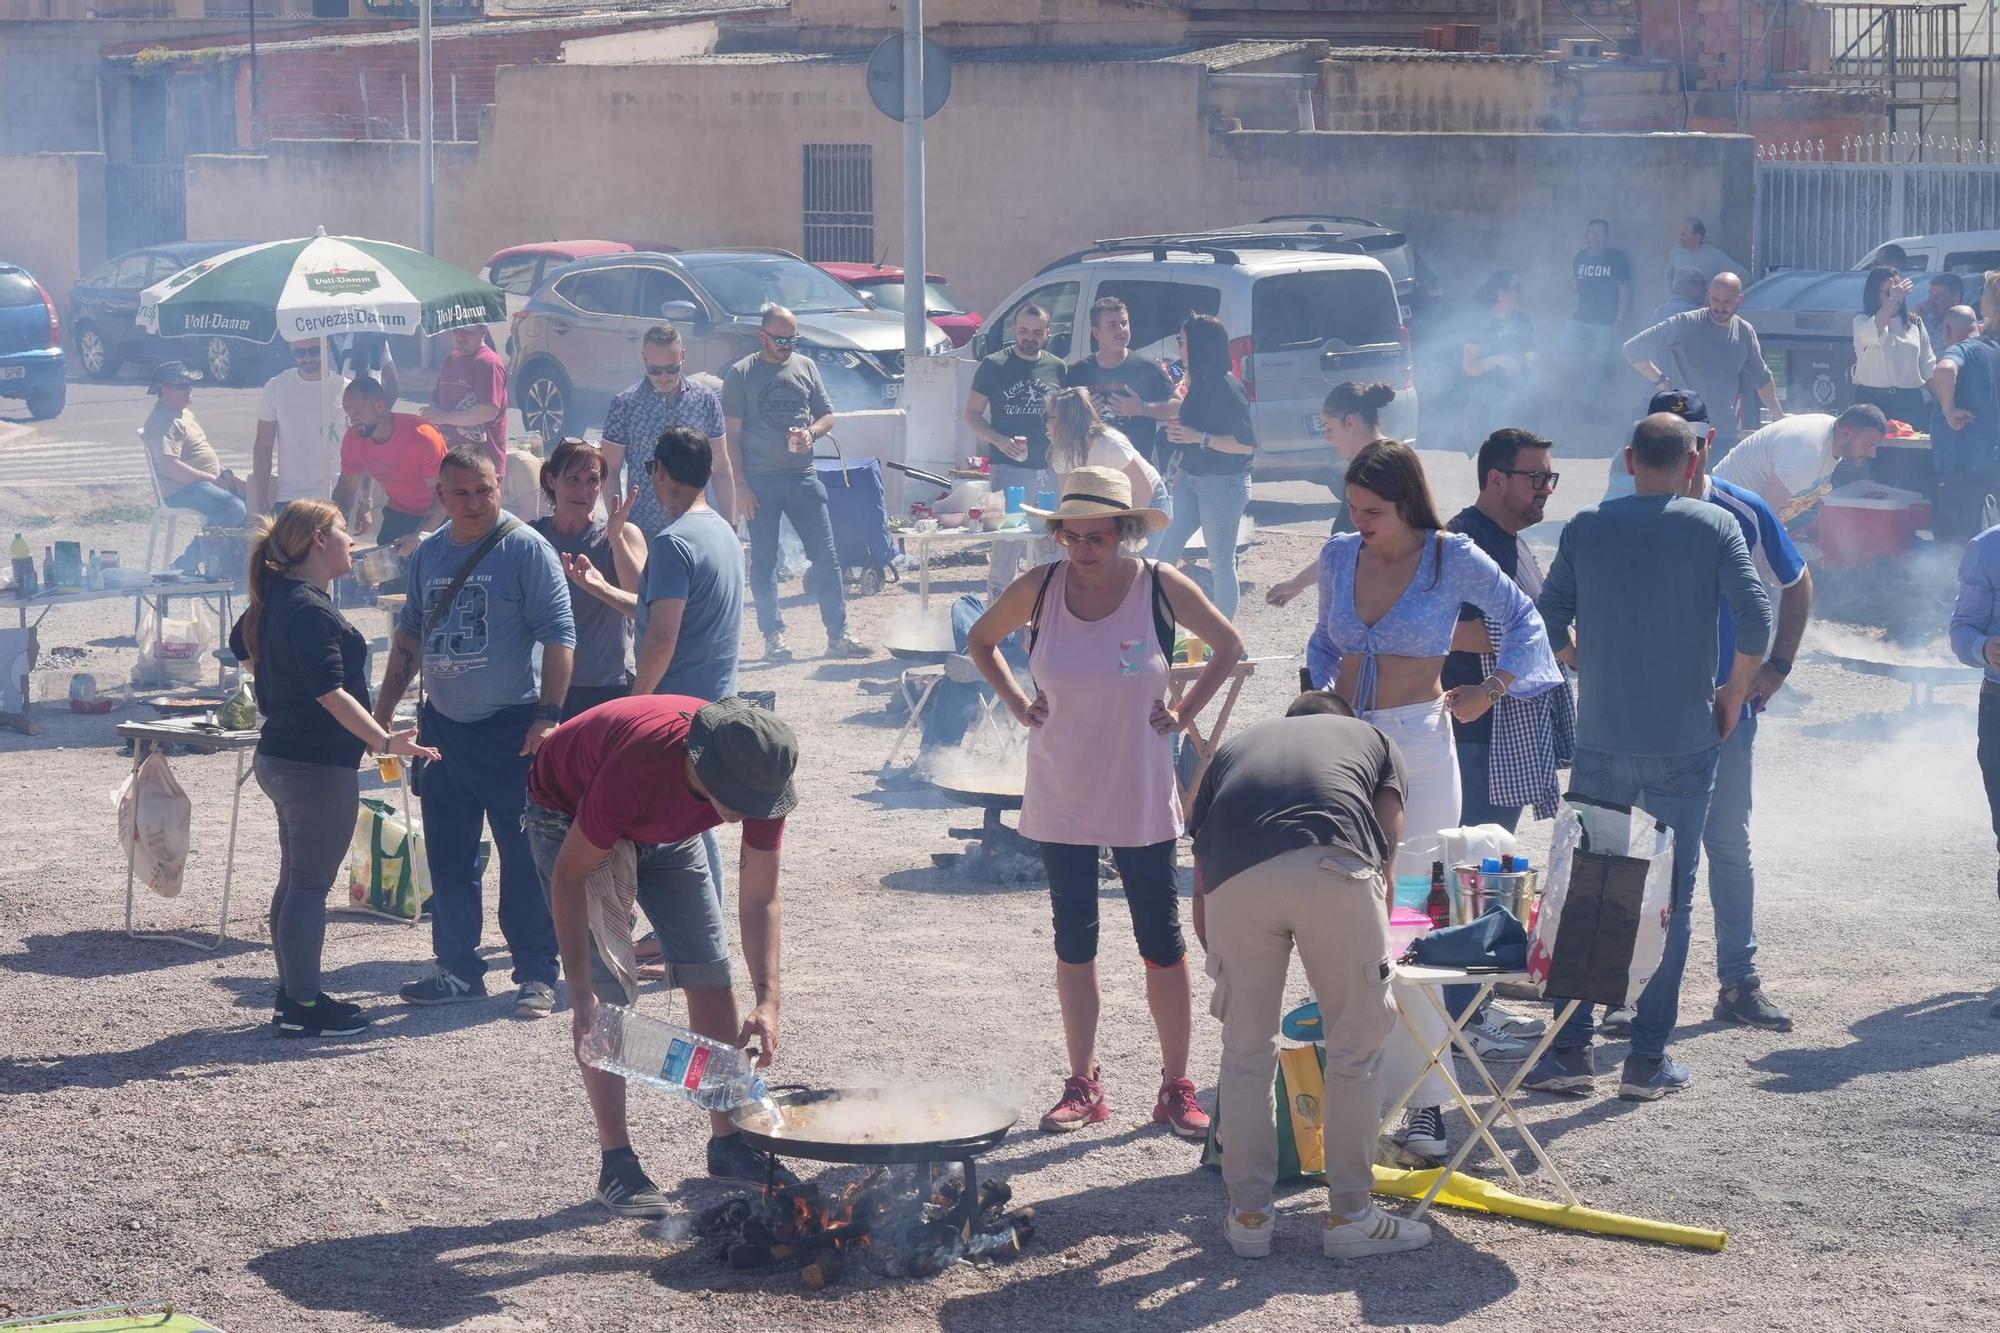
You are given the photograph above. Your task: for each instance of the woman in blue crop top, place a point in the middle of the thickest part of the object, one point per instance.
(1390, 594)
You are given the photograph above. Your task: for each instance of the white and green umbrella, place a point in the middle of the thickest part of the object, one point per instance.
(318, 287)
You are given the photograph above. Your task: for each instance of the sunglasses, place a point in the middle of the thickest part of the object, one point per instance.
(1541, 481)
(664, 372)
(1096, 541)
(305, 354)
(785, 340)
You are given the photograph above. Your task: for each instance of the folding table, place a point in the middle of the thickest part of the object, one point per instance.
(1431, 981)
(185, 731)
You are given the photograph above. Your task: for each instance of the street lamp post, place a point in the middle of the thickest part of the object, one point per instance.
(914, 302)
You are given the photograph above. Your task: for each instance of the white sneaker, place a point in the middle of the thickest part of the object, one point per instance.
(1376, 1232)
(1250, 1234)
(1493, 1044)
(1516, 1025)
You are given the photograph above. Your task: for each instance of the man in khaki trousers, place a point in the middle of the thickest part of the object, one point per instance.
(1295, 829)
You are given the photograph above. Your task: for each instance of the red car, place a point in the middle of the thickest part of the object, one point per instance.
(885, 286)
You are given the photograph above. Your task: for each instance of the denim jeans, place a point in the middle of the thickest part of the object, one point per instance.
(1214, 505)
(483, 778)
(800, 497)
(1675, 791)
(217, 507)
(954, 707)
(1732, 881)
(1989, 750)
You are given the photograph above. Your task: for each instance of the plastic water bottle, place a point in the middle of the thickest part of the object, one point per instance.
(712, 1074)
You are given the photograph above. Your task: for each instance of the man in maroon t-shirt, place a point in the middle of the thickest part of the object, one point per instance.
(469, 400)
(657, 770)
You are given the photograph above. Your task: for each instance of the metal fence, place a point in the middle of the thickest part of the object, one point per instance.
(1825, 205)
(840, 202)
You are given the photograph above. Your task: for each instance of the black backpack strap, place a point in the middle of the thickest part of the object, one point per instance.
(1041, 594)
(1163, 613)
(506, 525)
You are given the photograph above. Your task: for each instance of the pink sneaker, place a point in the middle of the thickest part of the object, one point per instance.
(1179, 1111)
(1082, 1104)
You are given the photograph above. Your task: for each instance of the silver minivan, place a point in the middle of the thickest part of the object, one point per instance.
(1301, 321)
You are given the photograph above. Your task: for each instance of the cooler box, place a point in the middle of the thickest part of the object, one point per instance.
(1866, 521)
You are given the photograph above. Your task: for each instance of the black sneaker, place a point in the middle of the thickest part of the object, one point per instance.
(624, 1187)
(1746, 1004)
(443, 987)
(730, 1158)
(319, 1019)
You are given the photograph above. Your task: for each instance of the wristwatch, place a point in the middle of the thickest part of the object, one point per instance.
(1781, 665)
(548, 712)
(1495, 691)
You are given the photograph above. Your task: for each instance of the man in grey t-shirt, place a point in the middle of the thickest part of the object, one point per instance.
(1711, 351)
(774, 408)
(1295, 829)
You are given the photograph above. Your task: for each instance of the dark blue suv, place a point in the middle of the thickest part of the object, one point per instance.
(31, 351)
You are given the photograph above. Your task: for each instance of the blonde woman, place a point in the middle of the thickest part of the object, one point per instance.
(311, 672)
(1078, 438)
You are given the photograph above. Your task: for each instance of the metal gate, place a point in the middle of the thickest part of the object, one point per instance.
(145, 203)
(840, 203)
(1824, 208)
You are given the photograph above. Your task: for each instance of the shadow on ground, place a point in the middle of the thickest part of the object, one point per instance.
(1923, 1034)
(442, 1275)
(88, 954)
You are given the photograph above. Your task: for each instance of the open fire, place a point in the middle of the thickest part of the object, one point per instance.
(913, 1220)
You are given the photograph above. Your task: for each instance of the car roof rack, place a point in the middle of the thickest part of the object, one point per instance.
(1342, 218)
(1223, 246)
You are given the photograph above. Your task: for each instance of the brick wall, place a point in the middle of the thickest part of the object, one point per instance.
(315, 90)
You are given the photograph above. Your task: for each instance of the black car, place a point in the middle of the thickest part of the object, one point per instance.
(104, 314)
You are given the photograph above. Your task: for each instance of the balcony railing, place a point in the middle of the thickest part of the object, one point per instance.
(1909, 52)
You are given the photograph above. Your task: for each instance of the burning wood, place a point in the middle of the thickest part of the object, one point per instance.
(914, 1220)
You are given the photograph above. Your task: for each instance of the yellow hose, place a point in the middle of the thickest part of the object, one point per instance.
(1477, 1196)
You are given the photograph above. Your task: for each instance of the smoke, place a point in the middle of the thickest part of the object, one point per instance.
(916, 630)
(993, 758)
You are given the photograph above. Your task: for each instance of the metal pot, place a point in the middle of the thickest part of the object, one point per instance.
(1481, 889)
(378, 565)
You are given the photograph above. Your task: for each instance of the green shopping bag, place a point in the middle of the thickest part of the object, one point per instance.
(387, 873)
(1301, 1089)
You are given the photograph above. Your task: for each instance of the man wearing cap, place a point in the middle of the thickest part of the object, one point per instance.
(657, 770)
(1732, 880)
(191, 476)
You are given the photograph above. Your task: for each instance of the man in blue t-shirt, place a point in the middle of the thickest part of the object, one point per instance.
(489, 701)
(1732, 881)
(691, 601)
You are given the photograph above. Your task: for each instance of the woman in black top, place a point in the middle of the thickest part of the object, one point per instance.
(311, 671)
(1214, 438)
(1497, 358)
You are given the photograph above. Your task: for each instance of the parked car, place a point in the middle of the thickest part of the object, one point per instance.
(519, 269)
(1416, 282)
(884, 284)
(1805, 317)
(104, 313)
(31, 350)
(1303, 318)
(576, 342)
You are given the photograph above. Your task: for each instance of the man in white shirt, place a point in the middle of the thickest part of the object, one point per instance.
(1694, 251)
(1790, 461)
(299, 425)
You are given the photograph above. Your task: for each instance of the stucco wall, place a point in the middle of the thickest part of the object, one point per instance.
(1023, 166)
(52, 216)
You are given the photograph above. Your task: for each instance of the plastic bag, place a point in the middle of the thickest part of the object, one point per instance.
(170, 648)
(1300, 1093)
(239, 711)
(1602, 925)
(153, 813)
(387, 872)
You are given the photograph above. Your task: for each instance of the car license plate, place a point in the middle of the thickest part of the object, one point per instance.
(13, 372)
(892, 392)
(1313, 429)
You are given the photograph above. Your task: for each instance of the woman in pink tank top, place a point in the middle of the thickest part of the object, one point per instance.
(1100, 763)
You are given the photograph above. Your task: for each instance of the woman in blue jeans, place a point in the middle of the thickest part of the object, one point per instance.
(1213, 439)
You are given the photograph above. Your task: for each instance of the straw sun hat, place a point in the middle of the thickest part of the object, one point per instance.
(1099, 492)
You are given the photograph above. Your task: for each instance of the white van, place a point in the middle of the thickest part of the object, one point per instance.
(1301, 320)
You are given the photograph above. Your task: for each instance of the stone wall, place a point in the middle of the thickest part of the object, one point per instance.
(1423, 91)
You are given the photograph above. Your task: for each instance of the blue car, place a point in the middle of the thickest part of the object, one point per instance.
(31, 351)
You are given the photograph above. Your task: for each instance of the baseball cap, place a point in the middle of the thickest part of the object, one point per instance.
(1683, 403)
(745, 756)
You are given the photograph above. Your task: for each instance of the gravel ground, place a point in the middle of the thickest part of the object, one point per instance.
(436, 1175)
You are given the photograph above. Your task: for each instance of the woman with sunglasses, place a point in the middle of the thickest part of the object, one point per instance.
(604, 558)
(1100, 763)
(1390, 594)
